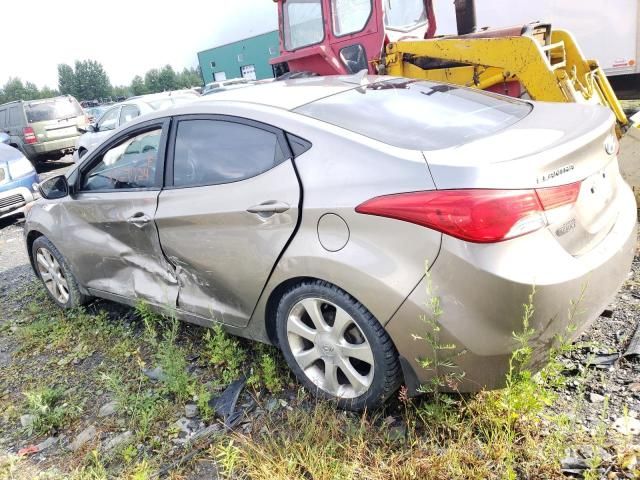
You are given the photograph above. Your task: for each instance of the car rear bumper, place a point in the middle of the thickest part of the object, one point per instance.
(483, 290)
(64, 144)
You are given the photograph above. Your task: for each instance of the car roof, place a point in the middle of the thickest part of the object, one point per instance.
(291, 94)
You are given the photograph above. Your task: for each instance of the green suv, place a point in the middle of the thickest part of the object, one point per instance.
(43, 129)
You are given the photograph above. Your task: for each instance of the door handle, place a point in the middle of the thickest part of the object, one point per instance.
(269, 208)
(139, 219)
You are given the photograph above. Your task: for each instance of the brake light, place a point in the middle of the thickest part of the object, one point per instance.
(476, 215)
(29, 135)
(554, 197)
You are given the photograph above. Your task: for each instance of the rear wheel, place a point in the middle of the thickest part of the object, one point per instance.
(336, 348)
(55, 274)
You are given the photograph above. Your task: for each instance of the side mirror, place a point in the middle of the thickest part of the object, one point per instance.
(54, 188)
(4, 138)
(89, 128)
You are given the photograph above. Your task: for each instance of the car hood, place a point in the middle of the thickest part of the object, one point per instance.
(8, 154)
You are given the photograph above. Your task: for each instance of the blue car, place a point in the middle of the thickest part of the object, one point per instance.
(17, 179)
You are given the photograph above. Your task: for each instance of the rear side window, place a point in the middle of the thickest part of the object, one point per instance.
(52, 109)
(303, 24)
(3, 118)
(211, 152)
(15, 118)
(418, 115)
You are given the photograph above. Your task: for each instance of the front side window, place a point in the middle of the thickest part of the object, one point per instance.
(303, 23)
(350, 16)
(128, 113)
(109, 121)
(211, 152)
(131, 164)
(404, 15)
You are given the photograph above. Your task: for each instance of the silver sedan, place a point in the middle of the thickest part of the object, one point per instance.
(325, 215)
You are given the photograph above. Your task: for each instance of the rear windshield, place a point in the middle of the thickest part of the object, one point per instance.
(53, 109)
(418, 115)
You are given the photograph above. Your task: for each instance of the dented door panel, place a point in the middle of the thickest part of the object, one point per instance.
(115, 254)
(223, 254)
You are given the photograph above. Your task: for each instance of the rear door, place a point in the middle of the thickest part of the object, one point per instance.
(228, 211)
(54, 118)
(115, 247)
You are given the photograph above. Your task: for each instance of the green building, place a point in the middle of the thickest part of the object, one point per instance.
(247, 58)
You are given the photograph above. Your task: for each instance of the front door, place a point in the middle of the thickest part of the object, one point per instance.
(231, 209)
(115, 240)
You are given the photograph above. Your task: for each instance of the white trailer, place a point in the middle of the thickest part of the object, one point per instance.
(607, 31)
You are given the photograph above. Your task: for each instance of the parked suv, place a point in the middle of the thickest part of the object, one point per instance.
(43, 129)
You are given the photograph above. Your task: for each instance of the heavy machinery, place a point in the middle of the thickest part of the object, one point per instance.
(398, 37)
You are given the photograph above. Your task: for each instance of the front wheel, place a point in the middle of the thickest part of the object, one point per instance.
(335, 346)
(55, 274)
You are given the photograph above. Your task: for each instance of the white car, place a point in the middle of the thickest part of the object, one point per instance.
(124, 112)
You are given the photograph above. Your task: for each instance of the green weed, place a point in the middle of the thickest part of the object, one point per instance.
(48, 409)
(225, 353)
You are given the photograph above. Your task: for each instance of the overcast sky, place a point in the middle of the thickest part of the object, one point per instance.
(127, 36)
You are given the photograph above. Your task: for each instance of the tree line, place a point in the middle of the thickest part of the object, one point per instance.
(87, 80)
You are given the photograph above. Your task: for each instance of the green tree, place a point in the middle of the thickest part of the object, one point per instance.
(66, 79)
(167, 79)
(122, 91)
(189, 77)
(138, 87)
(91, 81)
(152, 81)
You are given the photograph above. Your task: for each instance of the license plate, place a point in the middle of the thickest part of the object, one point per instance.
(62, 132)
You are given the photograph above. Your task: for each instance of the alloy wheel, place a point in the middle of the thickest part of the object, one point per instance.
(330, 348)
(52, 275)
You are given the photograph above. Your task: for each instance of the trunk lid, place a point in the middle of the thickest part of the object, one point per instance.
(556, 144)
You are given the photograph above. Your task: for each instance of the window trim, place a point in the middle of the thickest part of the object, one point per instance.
(171, 145)
(285, 14)
(333, 26)
(94, 157)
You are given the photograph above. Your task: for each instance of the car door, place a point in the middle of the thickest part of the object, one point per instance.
(110, 218)
(229, 208)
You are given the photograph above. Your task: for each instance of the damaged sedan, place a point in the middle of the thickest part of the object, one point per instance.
(323, 215)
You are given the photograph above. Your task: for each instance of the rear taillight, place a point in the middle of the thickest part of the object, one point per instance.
(477, 215)
(554, 197)
(29, 135)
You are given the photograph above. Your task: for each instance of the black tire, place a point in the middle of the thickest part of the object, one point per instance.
(76, 298)
(387, 375)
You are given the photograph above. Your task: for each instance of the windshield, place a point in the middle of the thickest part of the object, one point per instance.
(418, 115)
(53, 109)
(404, 14)
(303, 24)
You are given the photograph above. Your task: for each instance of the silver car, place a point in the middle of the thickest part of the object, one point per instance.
(122, 113)
(303, 213)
